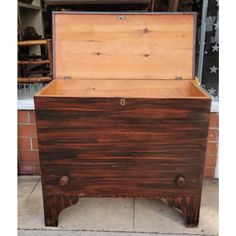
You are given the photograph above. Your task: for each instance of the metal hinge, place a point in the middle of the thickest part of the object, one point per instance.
(121, 17)
(178, 77)
(197, 80)
(65, 77)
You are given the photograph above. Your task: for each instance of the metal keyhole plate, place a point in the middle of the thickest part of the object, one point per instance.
(121, 17)
(122, 101)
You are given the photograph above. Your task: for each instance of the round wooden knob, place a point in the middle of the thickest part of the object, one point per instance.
(180, 181)
(64, 180)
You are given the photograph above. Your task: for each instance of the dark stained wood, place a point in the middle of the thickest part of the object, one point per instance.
(111, 131)
(141, 179)
(101, 128)
(31, 72)
(134, 150)
(54, 204)
(189, 206)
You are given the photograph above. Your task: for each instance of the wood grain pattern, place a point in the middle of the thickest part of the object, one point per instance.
(122, 126)
(102, 128)
(189, 206)
(73, 131)
(123, 88)
(137, 46)
(54, 204)
(122, 179)
(135, 149)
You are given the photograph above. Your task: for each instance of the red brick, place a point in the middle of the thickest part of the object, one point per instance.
(32, 117)
(26, 168)
(34, 142)
(24, 144)
(209, 172)
(27, 130)
(214, 120)
(29, 156)
(210, 161)
(213, 135)
(23, 117)
(212, 148)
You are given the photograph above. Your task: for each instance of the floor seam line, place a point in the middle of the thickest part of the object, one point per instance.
(133, 212)
(117, 231)
(33, 188)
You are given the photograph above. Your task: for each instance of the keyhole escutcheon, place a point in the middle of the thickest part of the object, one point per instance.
(122, 101)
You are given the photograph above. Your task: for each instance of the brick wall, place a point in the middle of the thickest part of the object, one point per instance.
(28, 156)
(28, 149)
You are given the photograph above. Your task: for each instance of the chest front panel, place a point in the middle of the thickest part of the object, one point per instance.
(144, 142)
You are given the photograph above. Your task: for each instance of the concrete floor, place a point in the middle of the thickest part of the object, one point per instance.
(112, 216)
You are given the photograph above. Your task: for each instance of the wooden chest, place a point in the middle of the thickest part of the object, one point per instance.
(124, 116)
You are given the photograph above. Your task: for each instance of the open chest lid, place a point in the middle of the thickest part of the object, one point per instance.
(123, 45)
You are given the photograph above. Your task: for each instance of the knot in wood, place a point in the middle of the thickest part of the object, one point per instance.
(146, 30)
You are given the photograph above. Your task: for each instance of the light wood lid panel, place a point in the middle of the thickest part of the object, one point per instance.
(123, 46)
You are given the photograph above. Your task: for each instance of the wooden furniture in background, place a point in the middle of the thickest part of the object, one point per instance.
(76, 2)
(30, 14)
(148, 3)
(32, 61)
(182, 6)
(124, 116)
(173, 5)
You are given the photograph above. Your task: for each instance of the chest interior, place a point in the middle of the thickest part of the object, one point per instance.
(123, 55)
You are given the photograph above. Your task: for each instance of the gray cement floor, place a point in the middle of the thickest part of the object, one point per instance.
(113, 216)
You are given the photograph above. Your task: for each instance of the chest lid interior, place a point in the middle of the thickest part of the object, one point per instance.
(123, 45)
